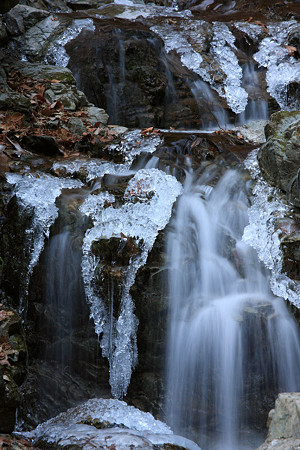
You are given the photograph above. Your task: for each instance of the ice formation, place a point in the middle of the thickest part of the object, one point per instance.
(267, 207)
(222, 49)
(36, 195)
(147, 207)
(282, 67)
(123, 427)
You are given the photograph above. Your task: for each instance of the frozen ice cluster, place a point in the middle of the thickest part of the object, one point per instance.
(146, 209)
(36, 195)
(282, 67)
(261, 233)
(116, 425)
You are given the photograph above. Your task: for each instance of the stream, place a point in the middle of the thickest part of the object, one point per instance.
(148, 268)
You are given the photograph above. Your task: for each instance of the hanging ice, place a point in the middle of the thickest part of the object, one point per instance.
(147, 206)
(282, 68)
(267, 207)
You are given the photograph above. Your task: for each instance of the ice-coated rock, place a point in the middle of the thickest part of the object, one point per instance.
(107, 423)
(267, 208)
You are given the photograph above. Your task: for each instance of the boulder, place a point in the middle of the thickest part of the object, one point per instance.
(284, 423)
(22, 17)
(279, 157)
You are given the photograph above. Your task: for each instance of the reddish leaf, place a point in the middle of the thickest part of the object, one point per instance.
(291, 50)
(40, 97)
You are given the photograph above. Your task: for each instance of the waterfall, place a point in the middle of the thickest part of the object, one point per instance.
(257, 108)
(232, 345)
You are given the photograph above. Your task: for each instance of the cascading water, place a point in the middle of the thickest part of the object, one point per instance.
(232, 345)
(257, 108)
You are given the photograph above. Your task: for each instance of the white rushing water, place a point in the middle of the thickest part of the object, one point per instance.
(231, 342)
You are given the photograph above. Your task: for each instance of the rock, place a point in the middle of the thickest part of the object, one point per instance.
(13, 101)
(279, 157)
(69, 97)
(60, 85)
(76, 5)
(36, 41)
(21, 18)
(284, 423)
(76, 126)
(107, 424)
(12, 367)
(44, 145)
(97, 115)
(47, 72)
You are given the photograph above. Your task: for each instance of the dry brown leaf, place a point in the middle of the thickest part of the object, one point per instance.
(291, 50)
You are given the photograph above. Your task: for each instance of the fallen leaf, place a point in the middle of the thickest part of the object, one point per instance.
(2, 315)
(291, 50)
(18, 147)
(147, 130)
(55, 81)
(262, 25)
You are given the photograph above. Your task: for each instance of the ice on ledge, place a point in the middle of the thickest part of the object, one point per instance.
(126, 427)
(91, 168)
(147, 207)
(57, 54)
(267, 207)
(131, 146)
(282, 68)
(134, 143)
(36, 194)
(222, 48)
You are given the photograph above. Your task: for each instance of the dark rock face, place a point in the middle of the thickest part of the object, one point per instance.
(123, 68)
(12, 367)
